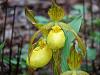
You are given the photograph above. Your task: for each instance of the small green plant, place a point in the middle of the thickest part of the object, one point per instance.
(22, 63)
(1, 46)
(95, 36)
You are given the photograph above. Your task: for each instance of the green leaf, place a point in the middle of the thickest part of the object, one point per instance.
(30, 16)
(75, 24)
(97, 22)
(68, 18)
(41, 19)
(6, 60)
(87, 67)
(24, 53)
(22, 64)
(2, 45)
(14, 61)
(95, 36)
(79, 9)
(65, 54)
(91, 54)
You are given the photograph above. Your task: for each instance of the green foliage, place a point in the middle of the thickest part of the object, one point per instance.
(41, 19)
(75, 24)
(1, 46)
(97, 22)
(91, 54)
(30, 16)
(79, 9)
(95, 36)
(14, 62)
(87, 67)
(67, 19)
(22, 63)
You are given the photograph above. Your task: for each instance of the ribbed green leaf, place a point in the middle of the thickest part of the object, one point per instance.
(2, 45)
(75, 24)
(65, 54)
(31, 17)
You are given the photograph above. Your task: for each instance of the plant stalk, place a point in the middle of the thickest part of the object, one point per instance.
(56, 62)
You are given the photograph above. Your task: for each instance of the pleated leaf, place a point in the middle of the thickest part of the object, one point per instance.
(31, 17)
(75, 24)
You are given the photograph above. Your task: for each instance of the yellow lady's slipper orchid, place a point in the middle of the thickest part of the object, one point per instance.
(56, 38)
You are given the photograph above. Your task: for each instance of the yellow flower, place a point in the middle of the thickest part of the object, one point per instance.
(40, 56)
(56, 38)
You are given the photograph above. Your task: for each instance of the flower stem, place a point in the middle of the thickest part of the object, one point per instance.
(56, 63)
